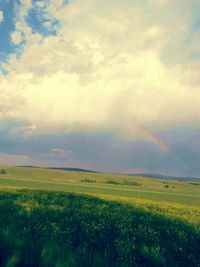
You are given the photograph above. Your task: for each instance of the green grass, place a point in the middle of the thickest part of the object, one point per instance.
(104, 224)
(69, 181)
(179, 200)
(51, 229)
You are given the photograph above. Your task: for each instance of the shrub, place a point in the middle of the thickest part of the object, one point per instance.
(112, 182)
(88, 181)
(125, 182)
(195, 183)
(2, 171)
(133, 183)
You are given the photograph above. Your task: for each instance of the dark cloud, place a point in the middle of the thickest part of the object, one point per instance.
(105, 152)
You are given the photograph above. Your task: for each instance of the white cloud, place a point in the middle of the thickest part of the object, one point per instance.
(16, 37)
(40, 4)
(108, 68)
(160, 2)
(60, 153)
(1, 16)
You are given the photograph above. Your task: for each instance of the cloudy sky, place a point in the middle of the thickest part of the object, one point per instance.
(106, 85)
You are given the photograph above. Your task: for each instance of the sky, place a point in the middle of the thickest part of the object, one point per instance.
(106, 85)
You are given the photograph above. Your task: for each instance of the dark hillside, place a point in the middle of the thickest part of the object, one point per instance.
(56, 229)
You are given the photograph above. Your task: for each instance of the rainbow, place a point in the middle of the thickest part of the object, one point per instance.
(164, 146)
(157, 140)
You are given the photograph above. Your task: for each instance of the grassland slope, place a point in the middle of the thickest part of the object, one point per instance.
(173, 191)
(40, 228)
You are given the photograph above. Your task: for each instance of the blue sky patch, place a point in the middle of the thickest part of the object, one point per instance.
(6, 28)
(196, 17)
(40, 21)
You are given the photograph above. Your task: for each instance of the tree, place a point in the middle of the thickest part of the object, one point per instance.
(2, 171)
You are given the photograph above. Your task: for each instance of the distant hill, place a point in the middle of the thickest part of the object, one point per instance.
(61, 168)
(71, 169)
(148, 175)
(161, 176)
(28, 166)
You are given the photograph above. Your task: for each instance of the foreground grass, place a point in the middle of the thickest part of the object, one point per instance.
(41, 228)
(184, 213)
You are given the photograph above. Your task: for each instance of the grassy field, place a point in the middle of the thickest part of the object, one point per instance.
(52, 229)
(112, 220)
(177, 199)
(187, 193)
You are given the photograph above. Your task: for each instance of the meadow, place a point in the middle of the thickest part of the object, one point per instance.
(187, 193)
(70, 219)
